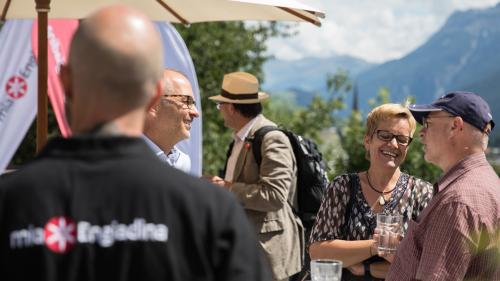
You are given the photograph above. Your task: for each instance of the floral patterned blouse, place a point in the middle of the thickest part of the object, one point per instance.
(410, 197)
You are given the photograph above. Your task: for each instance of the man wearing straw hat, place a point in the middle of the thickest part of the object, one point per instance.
(266, 191)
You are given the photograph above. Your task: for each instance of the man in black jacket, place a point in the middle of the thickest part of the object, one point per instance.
(100, 205)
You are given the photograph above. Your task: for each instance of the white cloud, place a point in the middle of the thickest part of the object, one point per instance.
(373, 30)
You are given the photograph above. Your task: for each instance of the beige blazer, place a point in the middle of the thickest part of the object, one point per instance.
(264, 194)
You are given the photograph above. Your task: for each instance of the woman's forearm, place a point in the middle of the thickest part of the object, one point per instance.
(349, 252)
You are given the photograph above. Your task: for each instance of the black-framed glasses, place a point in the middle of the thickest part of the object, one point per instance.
(387, 136)
(425, 120)
(187, 101)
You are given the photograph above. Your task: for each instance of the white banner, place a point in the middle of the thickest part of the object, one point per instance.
(18, 86)
(176, 56)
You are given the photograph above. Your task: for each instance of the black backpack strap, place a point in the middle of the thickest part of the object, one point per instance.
(256, 140)
(222, 173)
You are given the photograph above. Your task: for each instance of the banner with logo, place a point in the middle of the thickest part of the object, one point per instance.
(19, 81)
(59, 33)
(18, 87)
(177, 57)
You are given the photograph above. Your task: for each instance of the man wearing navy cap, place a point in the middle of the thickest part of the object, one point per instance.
(457, 235)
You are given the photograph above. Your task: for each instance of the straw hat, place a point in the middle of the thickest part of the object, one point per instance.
(240, 87)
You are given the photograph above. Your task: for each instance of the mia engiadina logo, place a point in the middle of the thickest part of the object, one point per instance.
(60, 234)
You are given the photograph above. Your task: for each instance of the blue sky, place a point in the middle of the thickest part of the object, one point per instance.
(376, 31)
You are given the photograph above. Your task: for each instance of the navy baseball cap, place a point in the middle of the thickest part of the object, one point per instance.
(470, 106)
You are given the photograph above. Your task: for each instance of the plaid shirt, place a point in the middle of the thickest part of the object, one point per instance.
(457, 236)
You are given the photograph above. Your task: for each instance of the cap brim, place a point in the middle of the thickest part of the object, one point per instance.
(219, 98)
(419, 111)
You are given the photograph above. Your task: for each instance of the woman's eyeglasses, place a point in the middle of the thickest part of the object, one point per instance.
(388, 136)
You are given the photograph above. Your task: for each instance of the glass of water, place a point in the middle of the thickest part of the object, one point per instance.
(326, 270)
(389, 229)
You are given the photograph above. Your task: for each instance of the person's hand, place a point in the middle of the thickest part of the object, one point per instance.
(217, 181)
(211, 178)
(390, 239)
(357, 269)
(374, 246)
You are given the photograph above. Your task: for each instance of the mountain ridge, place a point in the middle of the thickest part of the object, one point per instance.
(308, 75)
(458, 55)
(461, 55)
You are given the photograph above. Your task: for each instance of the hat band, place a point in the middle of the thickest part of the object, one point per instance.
(228, 95)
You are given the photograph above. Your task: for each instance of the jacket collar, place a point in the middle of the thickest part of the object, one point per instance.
(259, 121)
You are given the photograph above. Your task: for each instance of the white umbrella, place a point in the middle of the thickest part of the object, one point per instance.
(178, 11)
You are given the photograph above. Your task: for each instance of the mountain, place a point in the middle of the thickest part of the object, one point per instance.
(462, 55)
(306, 77)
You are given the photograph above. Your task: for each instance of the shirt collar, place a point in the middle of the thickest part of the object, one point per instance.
(243, 132)
(174, 155)
(170, 157)
(468, 163)
(156, 149)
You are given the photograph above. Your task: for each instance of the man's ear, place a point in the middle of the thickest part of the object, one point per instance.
(232, 110)
(458, 124)
(65, 79)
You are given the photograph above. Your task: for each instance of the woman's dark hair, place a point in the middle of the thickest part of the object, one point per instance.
(248, 110)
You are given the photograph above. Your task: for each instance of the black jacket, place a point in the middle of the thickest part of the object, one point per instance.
(107, 209)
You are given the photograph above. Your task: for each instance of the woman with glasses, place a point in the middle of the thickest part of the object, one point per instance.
(347, 218)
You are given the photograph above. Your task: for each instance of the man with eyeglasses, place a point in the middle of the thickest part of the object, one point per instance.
(169, 121)
(457, 236)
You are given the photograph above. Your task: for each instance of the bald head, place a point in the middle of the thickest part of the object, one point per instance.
(115, 64)
(176, 83)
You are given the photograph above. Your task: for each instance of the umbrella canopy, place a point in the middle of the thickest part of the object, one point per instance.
(179, 11)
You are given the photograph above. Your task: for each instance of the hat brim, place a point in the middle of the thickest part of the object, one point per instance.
(419, 111)
(261, 96)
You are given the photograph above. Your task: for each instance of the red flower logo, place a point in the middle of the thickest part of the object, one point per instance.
(60, 234)
(16, 87)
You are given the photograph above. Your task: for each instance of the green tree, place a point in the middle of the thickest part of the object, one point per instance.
(317, 120)
(218, 48)
(496, 167)
(27, 149)
(383, 96)
(353, 144)
(320, 113)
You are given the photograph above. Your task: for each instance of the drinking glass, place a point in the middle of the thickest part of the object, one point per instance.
(326, 270)
(389, 229)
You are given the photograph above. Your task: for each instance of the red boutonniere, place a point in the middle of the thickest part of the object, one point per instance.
(248, 145)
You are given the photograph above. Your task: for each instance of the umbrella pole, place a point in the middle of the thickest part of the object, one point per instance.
(42, 8)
